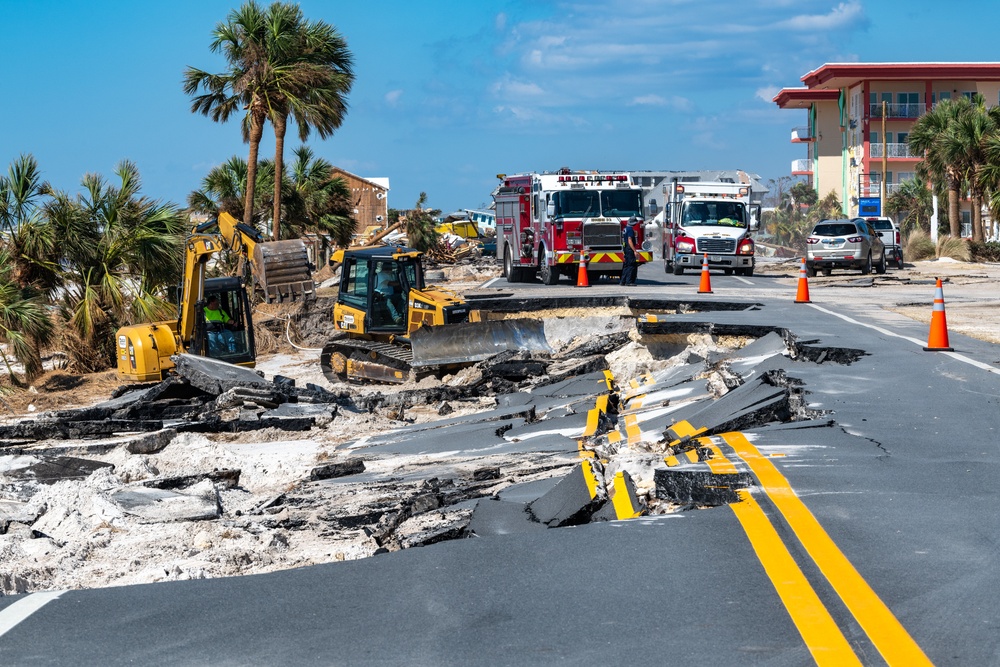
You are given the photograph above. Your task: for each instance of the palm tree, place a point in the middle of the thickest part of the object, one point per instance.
(914, 197)
(317, 201)
(243, 40)
(222, 190)
(25, 323)
(312, 78)
(928, 136)
(279, 65)
(24, 228)
(129, 250)
(420, 232)
(964, 145)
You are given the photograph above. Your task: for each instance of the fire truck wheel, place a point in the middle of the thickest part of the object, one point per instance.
(549, 274)
(514, 275)
(678, 269)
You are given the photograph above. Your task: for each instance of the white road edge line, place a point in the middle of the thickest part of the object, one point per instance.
(13, 614)
(489, 283)
(953, 355)
(743, 280)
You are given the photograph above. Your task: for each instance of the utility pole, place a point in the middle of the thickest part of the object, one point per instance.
(885, 159)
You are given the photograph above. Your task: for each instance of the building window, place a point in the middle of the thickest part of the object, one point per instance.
(965, 230)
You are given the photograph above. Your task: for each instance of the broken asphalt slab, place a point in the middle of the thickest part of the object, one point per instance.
(214, 377)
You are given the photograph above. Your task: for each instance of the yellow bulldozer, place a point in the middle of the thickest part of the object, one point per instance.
(280, 270)
(388, 321)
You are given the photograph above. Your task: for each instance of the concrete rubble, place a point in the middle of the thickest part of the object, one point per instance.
(219, 471)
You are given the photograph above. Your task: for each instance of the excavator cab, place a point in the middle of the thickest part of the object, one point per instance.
(223, 329)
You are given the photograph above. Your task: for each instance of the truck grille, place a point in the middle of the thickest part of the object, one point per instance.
(602, 235)
(456, 314)
(724, 246)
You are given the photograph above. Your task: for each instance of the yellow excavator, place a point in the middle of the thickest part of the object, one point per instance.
(388, 321)
(280, 270)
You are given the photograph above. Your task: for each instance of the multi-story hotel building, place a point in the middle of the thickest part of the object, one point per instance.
(847, 106)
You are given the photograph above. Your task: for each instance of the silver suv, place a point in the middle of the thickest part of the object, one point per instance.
(844, 244)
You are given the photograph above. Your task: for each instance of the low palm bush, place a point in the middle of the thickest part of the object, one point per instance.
(919, 246)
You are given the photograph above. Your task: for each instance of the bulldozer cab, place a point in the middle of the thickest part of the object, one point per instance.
(223, 328)
(379, 284)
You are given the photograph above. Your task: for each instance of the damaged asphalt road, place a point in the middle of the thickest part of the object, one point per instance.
(828, 433)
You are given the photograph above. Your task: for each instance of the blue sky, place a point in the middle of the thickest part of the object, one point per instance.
(449, 93)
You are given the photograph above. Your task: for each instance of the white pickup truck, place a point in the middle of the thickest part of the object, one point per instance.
(889, 233)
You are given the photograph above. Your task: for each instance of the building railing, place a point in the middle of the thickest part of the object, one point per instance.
(906, 110)
(801, 134)
(892, 150)
(802, 166)
(875, 189)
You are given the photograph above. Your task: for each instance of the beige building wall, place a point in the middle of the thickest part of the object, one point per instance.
(828, 169)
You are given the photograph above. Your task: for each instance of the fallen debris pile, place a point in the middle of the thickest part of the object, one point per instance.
(219, 471)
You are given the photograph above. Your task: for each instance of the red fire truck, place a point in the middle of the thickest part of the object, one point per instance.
(547, 220)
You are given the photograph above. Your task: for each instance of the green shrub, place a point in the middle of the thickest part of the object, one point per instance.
(919, 246)
(985, 252)
(955, 248)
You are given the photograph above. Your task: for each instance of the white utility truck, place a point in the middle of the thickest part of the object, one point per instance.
(709, 220)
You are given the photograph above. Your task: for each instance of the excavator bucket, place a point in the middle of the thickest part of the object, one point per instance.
(281, 269)
(469, 342)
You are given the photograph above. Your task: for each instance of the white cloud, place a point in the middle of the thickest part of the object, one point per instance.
(510, 88)
(767, 93)
(500, 22)
(392, 97)
(653, 100)
(843, 15)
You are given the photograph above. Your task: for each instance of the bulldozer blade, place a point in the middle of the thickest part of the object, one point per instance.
(469, 342)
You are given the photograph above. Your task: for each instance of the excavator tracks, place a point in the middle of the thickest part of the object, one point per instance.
(347, 359)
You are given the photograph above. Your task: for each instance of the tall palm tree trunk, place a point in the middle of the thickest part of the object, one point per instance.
(256, 133)
(278, 120)
(954, 219)
(977, 216)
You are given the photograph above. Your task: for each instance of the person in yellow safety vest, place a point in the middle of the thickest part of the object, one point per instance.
(219, 326)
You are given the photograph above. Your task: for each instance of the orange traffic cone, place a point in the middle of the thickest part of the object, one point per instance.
(802, 296)
(581, 275)
(937, 340)
(706, 283)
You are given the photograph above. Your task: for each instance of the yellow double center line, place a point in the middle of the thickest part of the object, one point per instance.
(824, 639)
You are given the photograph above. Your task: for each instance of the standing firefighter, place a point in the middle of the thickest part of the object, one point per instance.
(630, 269)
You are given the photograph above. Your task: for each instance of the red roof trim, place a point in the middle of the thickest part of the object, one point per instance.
(789, 95)
(919, 71)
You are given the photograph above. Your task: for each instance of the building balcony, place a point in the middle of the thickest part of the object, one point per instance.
(802, 167)
(895, 150)
(907, 111)
(801, 135)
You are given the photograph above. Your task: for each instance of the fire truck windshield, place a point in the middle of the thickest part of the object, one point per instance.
(730, 214)
(621, 203)
(577, 203)
(593, 203)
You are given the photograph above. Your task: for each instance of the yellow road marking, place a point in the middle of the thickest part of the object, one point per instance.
(632, 429)
(718, 464)
(823, 638)
(589, 478)
(622, 499)
(885, 631)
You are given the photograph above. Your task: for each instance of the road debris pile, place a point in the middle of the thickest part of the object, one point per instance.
(220, 472)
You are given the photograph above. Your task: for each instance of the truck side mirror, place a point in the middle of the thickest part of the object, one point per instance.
(550, 209)
(754, 217)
